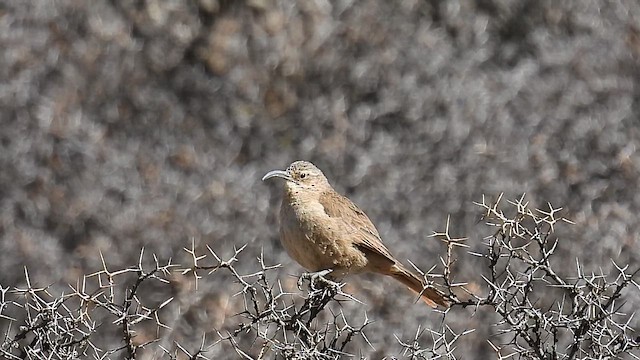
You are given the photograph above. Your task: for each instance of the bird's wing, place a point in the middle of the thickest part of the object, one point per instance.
(365, 234)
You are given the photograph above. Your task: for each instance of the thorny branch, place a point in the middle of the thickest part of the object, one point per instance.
(583, 320)
(539, 311)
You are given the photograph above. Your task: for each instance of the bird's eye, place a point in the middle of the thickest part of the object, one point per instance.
(303, 175)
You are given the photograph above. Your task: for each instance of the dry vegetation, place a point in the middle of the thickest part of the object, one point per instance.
(130, 125)
(539, 312)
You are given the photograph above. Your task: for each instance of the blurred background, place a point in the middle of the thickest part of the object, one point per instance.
(130, 124)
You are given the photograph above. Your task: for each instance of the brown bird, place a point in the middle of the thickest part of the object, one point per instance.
(323, 230)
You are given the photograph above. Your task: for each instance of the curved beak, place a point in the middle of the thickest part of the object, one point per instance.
(277, 173)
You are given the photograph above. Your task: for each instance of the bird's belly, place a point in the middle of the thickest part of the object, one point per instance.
(317, 242)
(306, 249)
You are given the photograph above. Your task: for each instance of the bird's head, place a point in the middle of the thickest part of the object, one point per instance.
(300, 174)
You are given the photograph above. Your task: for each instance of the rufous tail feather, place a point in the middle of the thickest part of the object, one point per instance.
(430, 296)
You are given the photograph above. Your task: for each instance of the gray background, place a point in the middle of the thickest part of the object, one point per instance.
(127, 124)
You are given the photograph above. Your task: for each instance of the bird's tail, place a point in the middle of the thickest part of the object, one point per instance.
(430, 295)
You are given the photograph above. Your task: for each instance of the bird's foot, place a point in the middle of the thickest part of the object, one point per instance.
(318, 277)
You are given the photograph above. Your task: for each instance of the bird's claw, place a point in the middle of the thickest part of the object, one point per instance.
(318, 276)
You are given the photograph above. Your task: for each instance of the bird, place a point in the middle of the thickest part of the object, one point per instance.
(323, 230)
